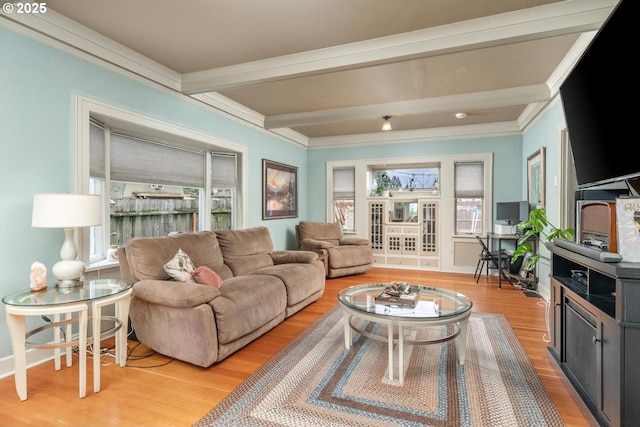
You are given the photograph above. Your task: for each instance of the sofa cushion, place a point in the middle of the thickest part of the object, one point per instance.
(180, 267)
(324, 231)
(207, 276)
(246, 303)
(147, 256)
(246, 250)
(300, 279)
(349, 256)
(174, 294)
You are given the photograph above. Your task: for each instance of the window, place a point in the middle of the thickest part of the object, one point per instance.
(469, 197)
(151, 188)
(224, 173)
(344, 198)
(421, 178)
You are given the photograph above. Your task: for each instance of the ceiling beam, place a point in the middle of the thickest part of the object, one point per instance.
(464, 102)
(555, 19)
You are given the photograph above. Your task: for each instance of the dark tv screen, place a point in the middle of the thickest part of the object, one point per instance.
(512, 212)
(594, 97)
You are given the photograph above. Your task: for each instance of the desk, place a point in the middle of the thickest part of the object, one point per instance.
(491, 237)
(66, 301)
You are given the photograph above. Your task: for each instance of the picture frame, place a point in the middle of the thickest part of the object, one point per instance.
(279, 190)
(536, 179)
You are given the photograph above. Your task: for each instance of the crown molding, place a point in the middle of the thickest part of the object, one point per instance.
(221, 102)
(421, 135)
(63, 33)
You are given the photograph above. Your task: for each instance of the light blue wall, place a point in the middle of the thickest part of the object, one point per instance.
(507, 166)
(37, 114)
(545, 132)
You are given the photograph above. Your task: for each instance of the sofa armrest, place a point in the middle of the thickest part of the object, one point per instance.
(358, 241)
(314, 245)
(174, 294)
(288, 257)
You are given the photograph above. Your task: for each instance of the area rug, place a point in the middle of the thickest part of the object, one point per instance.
(315, 381)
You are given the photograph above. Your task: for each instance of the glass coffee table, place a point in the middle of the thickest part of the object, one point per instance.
(430, 307)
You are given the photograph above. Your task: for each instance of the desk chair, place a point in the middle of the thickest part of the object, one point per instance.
(492, 257)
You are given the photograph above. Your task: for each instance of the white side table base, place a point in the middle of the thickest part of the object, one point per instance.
(16, 322)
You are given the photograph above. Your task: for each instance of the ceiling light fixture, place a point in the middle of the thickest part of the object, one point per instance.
(461, 115)
(387, 124)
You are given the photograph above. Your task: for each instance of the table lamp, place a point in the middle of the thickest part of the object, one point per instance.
(67, 211)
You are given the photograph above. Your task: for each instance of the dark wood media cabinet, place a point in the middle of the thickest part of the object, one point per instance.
(595, 332)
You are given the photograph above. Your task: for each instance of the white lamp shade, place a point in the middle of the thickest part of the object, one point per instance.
(60, 210)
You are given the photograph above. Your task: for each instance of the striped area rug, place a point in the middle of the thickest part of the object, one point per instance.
(315, 381)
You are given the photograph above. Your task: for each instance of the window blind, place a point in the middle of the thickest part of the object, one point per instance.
(469, 180)
(223, 170)
(344, 184)
(96, 150)
(138, 160)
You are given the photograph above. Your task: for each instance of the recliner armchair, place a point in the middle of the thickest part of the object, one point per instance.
(345, 255)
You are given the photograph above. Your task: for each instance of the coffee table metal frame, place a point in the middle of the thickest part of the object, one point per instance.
(358, 302)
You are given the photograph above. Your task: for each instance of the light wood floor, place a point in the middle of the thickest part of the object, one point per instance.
(159, 391)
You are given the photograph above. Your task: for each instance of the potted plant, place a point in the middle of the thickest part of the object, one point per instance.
(538, 227)
(380, 191)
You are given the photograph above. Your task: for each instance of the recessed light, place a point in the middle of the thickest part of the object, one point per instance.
(461, 115)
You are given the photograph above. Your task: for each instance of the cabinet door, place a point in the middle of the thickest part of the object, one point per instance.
(429, 236)
(580, 347)
(376, 226)
(555, 323)
(609, 339)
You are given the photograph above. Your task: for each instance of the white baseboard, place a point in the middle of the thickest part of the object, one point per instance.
(35, 357)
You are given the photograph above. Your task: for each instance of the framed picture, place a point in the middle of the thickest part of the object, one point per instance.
(279, 190)
(535, 179)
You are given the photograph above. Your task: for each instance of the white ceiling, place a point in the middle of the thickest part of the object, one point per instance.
(324, 72)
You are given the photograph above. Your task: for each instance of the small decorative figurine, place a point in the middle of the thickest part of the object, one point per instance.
(38, 276)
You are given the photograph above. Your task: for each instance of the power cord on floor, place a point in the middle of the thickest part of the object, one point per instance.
(542, 303)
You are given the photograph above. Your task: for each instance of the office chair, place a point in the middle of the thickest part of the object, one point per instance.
(491, 258)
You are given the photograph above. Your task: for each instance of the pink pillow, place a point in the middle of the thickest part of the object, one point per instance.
(206, 276)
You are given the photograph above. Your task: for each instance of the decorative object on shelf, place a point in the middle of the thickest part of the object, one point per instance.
(535, 227)
(38, 277)
(279, 190)
(628, 224)
(399, 293)
(112, 253)
(536, 179)
(67, 211)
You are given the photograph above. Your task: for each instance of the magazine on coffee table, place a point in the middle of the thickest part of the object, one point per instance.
(399, 294)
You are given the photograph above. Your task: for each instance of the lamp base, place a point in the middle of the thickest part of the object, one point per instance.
(69, 283)
(68, 273)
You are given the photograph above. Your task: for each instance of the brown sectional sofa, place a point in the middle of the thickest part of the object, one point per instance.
(201, 324)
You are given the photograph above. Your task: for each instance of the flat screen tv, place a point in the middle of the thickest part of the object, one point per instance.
(512, 212)
(594, 96)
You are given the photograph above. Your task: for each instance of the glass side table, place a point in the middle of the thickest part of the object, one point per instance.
(55, 301)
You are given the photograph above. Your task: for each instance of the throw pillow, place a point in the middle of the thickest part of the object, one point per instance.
(180, 267)
(207, 276)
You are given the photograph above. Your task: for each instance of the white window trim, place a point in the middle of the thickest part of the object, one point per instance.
(447, 166)
(86, 107)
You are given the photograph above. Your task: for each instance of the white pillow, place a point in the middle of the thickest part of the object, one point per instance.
(180, 267)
